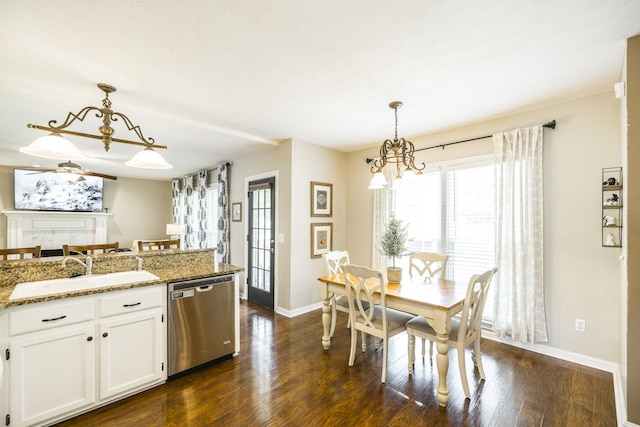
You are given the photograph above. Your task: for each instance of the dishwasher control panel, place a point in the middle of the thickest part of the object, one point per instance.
(200, 283)
(182, 294)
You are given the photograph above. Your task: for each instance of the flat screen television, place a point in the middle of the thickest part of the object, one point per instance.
(50, 191)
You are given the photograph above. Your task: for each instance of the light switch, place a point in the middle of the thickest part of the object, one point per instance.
(280, 238)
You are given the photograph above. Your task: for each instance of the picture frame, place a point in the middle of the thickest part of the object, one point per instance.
(321, 239)
(321, 199)
(236, 211)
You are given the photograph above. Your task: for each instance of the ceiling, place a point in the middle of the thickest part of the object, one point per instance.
(215, 80)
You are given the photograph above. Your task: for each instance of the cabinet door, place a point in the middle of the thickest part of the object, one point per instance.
(4, 364)
(52, 373)
(131, 352)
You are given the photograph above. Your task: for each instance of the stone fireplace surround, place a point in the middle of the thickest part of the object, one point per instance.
(51, 230)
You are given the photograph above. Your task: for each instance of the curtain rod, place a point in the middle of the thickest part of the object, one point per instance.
(550, 125)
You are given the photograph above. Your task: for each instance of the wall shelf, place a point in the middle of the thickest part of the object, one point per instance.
(612, 207)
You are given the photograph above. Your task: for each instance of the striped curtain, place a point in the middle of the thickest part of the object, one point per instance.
(176, 202)
(223, 213)
(202, 211)
(189, 218)
(190, 208)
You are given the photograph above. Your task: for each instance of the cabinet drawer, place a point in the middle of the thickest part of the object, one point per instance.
(131, 300)
(44, 316)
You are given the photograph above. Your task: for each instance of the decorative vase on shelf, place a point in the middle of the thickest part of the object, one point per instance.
(393, 243)
(611, 240)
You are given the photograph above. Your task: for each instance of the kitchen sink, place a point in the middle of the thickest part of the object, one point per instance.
(80, 283)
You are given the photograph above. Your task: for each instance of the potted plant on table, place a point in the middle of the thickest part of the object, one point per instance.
(393, 243)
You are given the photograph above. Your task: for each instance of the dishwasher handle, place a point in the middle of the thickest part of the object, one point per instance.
(197, 283)
(204, 288)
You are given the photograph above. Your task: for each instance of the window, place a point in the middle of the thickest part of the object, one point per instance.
(452, 210)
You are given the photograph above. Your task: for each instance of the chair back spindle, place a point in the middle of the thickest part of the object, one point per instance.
(334, 260)
(427, 265)
(152, 245)
(90, 249)
(20, 253)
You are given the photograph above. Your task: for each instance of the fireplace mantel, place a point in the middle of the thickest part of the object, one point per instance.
(51, 230)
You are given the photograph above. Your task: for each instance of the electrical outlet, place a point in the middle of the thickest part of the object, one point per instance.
(581, 325)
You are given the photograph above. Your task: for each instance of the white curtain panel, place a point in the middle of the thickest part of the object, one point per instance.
(382, 208)
(519, 285)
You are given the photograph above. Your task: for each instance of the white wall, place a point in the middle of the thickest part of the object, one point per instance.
(297, 164)
(267, 161)
(141, 209)
(317, 164)
(581, 277)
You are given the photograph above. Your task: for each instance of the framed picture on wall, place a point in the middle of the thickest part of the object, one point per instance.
(321, 239)
(236, 211)
(321, 199)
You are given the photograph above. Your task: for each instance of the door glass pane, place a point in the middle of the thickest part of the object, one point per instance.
(261, 238)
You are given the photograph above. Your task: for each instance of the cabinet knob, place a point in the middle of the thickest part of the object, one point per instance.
(89, 338)
(106, 334)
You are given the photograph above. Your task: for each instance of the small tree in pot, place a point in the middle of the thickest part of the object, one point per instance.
(393, 243)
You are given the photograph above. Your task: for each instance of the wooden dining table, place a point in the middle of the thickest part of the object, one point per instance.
(437, 301)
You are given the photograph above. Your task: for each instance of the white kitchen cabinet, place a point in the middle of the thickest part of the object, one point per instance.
(70, 356)
(132, 353)
(4, 365)
(52, 373)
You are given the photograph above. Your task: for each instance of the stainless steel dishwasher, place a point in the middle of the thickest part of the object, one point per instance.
(201, 322)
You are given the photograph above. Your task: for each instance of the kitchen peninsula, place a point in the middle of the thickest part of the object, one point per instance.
(67, 353)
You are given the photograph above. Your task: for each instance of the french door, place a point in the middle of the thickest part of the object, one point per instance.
(261, 241)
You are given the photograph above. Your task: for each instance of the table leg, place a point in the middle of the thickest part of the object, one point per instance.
(326, 322)
(442, 326)
(442, 360)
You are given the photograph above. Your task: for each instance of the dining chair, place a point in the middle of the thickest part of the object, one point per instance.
(362, 284)
(34, 252)
(464, 331)
(151, 245)
(427, 265)
(334, 261)
(90, 249)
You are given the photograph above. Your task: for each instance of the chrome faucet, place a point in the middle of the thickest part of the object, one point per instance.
(88, 264)
(139, 262)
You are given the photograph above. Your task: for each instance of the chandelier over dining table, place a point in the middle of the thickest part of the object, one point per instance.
(396, 151)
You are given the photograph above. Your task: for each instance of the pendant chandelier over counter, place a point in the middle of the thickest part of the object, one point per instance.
(397, 151)
(54, 146)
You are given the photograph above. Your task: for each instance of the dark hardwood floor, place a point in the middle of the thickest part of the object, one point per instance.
(283, 377)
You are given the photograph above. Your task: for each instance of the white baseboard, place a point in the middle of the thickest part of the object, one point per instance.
(298, 311)
(581, 359)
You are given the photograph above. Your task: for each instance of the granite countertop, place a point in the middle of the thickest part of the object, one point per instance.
(173, 273)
